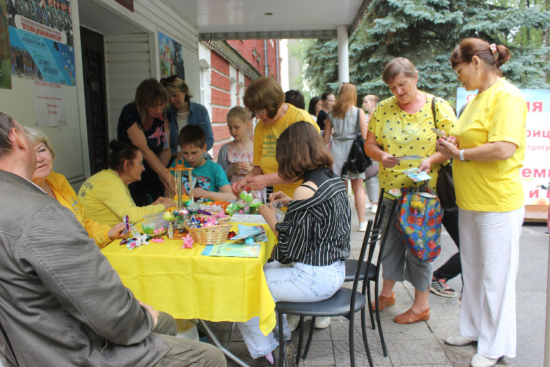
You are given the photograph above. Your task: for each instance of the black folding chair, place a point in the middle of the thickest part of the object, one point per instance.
(346, 302)
(369, 269)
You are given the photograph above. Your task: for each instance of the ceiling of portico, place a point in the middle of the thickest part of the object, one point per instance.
(247, 19)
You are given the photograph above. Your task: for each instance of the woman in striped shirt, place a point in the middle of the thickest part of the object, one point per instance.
(314, 237)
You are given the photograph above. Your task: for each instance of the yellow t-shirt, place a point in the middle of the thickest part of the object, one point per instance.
(497, 114)
(403, 134)
(265, 143)
(106, 199)
(66, 196)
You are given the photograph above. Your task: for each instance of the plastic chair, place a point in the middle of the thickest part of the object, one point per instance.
(381, 220)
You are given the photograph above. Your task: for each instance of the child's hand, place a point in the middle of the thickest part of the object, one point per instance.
(200, 193)
(244, 167)
(268, 212)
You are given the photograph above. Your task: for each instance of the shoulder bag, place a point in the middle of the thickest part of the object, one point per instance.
(358, 161)
(445, 186)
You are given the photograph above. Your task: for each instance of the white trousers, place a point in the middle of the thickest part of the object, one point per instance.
(489, 252)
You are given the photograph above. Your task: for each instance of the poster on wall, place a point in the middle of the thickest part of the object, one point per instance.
(41, 58)
(536, 170)
(46, 18)
(5, 57)
(49, 104)
(171, 57)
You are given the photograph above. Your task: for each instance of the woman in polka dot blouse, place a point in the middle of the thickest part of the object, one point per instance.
(402, 126)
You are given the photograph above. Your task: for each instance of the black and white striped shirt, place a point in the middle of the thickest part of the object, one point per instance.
(316, 231)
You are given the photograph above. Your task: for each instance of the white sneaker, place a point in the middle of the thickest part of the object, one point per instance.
(322, 322)
(362, 226)
(368, 205)
(479, 361)
(293, 321)
(458, 341)
(374, 209)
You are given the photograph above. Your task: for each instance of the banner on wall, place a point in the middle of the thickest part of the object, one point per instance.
(41, 58)
(5, 57)
(536, 167)
(49, 104)
(46, 18)
(171, 57)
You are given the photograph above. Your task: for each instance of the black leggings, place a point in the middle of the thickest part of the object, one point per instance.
(452, 267)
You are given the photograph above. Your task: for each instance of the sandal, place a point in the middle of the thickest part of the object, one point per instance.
(383, 302)
(410, 317)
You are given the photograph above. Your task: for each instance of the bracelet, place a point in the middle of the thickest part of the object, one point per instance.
(461, 155)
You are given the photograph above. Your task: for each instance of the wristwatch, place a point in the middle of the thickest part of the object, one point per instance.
(461, 155)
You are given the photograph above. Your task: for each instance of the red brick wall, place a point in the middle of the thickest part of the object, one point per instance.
(221, 99)
(246, 49)
(221, 85)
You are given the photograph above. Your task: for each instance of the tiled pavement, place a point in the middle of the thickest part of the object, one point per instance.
(419, 344)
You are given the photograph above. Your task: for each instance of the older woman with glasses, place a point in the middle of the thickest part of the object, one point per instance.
(184, 112)
(488, 147)
(57, 186)
(266, 99)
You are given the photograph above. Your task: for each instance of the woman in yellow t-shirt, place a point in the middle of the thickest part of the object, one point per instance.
(57, 186)
(105, 196)
(402, 126)
(266, 99)
(488, 147)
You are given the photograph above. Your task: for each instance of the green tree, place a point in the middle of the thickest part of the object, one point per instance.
(426, 32)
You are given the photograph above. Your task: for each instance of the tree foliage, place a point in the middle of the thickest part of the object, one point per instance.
(426, 32)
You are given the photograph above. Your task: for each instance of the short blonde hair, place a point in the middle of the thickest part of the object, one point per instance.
(397, 66)
(239, 112)
(36, 137)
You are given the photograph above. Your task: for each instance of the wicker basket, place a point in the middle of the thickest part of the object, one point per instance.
(211, 235)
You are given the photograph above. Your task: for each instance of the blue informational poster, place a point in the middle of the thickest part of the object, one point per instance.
(536, 169)
(41, 58)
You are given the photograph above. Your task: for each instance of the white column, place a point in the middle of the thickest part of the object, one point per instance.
(343, 58)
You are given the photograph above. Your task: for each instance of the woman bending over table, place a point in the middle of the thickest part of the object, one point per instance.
(105, 196)
(309, 267)
(266, 99)
(57, 186)
(143, 124)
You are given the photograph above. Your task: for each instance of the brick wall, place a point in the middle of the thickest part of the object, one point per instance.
(221, 100)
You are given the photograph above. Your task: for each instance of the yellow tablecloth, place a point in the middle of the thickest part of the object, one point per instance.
(188, 285)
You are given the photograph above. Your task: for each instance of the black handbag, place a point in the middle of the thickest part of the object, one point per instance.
(445, 186)
(358, 161)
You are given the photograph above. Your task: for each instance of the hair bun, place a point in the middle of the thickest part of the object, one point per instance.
(503, 55)
(116, 145)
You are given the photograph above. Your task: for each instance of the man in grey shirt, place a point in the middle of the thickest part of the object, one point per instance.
(61, 302)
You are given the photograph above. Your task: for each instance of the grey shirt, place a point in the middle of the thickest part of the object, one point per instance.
(61, 302)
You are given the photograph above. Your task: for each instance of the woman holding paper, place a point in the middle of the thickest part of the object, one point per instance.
(401, 127)
(488, 152)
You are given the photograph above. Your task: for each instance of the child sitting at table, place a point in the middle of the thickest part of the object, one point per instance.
(314, 237)
(209, 179)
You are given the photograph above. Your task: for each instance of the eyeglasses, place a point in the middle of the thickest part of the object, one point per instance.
(457, 71)
(257, 112)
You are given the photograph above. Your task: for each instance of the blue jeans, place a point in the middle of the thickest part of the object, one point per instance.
(294, 282)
